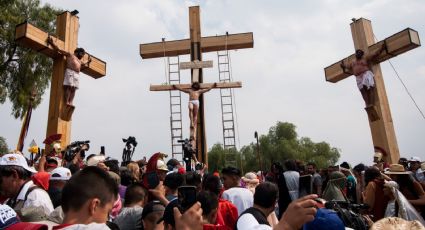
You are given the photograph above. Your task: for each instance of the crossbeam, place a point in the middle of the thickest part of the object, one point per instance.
(196, 64)
(397, 44)
(29, 36)
(208, 44)
(224, 85)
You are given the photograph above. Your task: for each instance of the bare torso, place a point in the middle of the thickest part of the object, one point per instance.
(194, 95)
(72, 62)
(359, 67)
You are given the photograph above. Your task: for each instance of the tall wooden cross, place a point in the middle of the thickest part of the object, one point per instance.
(195, 46)
(67, 25)
(382, 129)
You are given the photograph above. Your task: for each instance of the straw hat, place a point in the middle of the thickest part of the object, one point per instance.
(396, 169)
(393, 223)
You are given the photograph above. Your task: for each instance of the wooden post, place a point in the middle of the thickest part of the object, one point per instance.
(382, 130)
(67, 26)
(195, 46)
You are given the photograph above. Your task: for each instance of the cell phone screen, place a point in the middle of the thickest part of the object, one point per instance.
(306, 185)
(153, 180)
(187, 196)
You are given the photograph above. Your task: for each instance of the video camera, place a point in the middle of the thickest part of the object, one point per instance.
(75, 147)
(130, 141)
(188, 152)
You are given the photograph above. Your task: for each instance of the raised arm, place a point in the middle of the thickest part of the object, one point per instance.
(373, 57)
(208, 89)
(55, 47)
(181, 89)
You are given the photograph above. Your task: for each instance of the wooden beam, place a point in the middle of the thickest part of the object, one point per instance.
(196, 64)
(237, 84)
(29, 36)
(208, 44)
(397, 44)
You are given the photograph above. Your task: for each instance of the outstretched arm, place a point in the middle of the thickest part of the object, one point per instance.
(181, 89)
(373, 57)
(208, 89)
(55, 47)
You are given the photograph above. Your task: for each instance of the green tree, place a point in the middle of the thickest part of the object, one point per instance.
(23, 70)
(218, 157)
(4, 149)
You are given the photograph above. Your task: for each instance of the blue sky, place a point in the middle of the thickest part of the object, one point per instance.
(283, 77)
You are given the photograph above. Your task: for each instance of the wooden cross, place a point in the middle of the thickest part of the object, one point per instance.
(382, 129)
(195, 46)
(66, 39)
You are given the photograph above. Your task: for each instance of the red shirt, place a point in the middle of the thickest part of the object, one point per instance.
(227, 214)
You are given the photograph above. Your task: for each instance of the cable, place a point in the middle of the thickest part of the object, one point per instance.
(404, 85)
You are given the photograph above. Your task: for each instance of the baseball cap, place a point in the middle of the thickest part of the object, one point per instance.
(14, 159)
(60, 173)
(9, 220)
(151, 207)
(93, 161)
(415, 159)
(325, 219)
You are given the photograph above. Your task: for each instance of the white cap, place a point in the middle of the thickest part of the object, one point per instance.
(60, 173)
(94, 160)
(415, 159)
(16, 160)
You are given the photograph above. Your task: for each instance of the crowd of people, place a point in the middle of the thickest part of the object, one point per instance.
(97, 192)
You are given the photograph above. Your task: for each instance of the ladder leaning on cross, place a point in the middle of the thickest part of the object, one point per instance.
(382, 129)
(195, 46)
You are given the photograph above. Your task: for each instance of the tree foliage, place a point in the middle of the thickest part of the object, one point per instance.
(23, 70)
(4, 149)
(280, 144)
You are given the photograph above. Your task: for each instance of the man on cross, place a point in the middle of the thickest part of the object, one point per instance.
(194, 92)
(364, 76)
(72, 72)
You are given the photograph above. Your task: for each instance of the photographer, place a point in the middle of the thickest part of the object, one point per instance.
(75, 154)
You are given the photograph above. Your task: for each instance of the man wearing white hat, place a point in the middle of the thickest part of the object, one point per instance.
(58, 178)
(415, 167)
(17, 186)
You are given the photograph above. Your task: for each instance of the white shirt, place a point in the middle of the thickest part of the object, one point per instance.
(292, 179)
(248, 222)
(36, 198)
(242, 198)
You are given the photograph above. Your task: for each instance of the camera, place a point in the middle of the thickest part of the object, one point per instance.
(75, 147)
(130, 141)
(188, 152)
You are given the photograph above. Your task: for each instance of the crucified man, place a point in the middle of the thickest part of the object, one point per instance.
(72, 72)
(364, 77)
(194, 92)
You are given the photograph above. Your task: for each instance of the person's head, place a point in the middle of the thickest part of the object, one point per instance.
(135, 195)
(89, 196)
(196, 86)
(399, 174)
(168, 217)
(113, 165)
(276, 168)
(14, 172)
(311, 168)
(377, 158)
(79, 53)
(371, 174)
(172, 181)
(51, 164)
(345, 165)
(291, 165)
(173, 165)
(358, 169)
(403, 161)
(126, 177)
(414, 163)
(59, 177)
(151, 214)
(211, 183)
(359, 54)
(266, 195)
(135, 170)
(193, 179)
(209, 205)
(231, 177)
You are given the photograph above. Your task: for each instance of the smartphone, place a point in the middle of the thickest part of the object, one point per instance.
(187, 196)
(102, 150)
(306, 185)
(153, 180)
